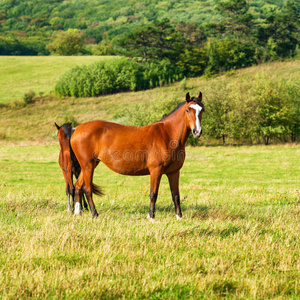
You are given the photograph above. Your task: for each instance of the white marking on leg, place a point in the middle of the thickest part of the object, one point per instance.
(151, 219)
(178, 218)
(77, 210)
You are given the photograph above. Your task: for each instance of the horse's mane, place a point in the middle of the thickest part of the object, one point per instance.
(194, 99)
(68, 130)
(175, 109)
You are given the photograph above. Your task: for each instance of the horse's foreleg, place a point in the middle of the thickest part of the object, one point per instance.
(78, 194)
(155, 177)
(174, 186)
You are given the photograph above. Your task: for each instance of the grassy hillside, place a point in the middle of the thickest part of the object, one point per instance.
(35, 120)
(20, 74)
(239, 236)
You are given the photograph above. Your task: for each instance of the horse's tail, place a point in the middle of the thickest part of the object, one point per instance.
(97, 190)
(75, 164)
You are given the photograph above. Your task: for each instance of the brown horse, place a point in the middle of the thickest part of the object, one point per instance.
(154, 150)
(68, 162)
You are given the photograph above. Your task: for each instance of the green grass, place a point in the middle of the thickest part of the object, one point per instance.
(239, 236)
(20, 74)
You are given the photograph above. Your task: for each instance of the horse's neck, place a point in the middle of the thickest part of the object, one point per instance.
(177, 129)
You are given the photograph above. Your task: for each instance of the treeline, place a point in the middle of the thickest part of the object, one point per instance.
(208, 36)
(260, 110)
(236, 42)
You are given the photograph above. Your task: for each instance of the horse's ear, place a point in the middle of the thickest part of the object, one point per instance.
(200, 96)
(188, 97)
(57, 126)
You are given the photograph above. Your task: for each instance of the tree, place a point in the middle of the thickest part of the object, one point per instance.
(67, 43)
(273, 110)
(238, 22)
(283, 27)
(157, 40)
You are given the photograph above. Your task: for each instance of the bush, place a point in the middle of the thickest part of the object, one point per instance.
(249, 112)
(71, 119)
(28, 97)
(113, 76)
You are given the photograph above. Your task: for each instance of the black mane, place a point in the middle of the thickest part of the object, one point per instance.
(176, 108)
(193, 99)
(68, 130)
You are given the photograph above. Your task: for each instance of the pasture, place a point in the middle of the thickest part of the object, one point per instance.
(239, 236)
(21, 74)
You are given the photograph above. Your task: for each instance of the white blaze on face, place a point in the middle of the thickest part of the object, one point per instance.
(198, 109)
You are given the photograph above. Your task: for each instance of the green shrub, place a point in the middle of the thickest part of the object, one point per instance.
(28, 97)
(119, 75)
(71, 119)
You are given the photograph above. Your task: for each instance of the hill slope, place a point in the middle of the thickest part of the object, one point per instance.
(34, 122)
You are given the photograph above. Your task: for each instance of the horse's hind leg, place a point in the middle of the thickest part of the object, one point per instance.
(174, 186)
(85, 182)
(84, 202)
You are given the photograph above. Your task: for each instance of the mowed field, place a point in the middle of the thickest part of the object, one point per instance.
(21, 74)
(238, 238)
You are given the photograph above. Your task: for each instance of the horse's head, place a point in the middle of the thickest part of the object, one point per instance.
(64, 131)
(193, 112)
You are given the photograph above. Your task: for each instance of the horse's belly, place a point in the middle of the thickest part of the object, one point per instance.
(126, 166)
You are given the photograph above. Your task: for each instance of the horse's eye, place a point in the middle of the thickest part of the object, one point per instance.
(187, 110)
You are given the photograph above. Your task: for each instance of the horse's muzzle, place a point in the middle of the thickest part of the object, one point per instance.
(197, 133)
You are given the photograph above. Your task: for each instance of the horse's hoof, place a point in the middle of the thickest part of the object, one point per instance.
(95, 215)
(178, 217)
(151, 219)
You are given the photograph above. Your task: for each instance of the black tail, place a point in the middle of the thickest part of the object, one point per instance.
(75, 164)
(97, 190)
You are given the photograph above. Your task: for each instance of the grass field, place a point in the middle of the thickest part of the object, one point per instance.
(21, 74)
(239, 237)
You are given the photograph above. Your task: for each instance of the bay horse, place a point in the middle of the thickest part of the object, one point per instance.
(68, 162)
(155, 149)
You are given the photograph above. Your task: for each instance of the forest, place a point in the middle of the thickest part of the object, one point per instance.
(197, 36)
